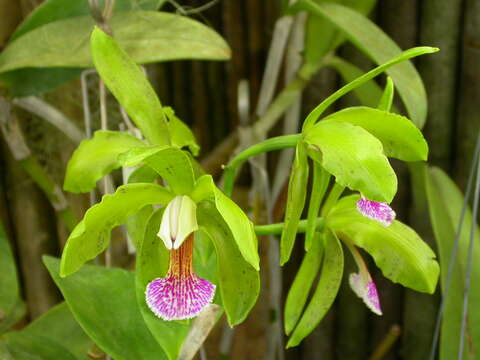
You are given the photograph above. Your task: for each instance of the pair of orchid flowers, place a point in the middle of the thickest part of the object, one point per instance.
(181, 294)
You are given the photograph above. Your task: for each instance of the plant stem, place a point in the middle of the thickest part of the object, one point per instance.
(264, 123)
(272, 144)
(276, 229)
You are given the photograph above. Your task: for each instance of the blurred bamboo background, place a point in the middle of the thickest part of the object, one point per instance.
(204, 94)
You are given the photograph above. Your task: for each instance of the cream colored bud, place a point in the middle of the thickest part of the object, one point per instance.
(179, 220)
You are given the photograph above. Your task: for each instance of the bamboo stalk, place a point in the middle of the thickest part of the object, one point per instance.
(468, 119)
(440, 26)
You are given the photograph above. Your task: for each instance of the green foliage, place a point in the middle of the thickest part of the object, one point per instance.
(373, 42)
(92, 235)
(11, 304)
(152, 262)
(298, 293)
(46, 56)
(105, 306)
(54, 335)
(239, 282)
(95, 158)
(368, 93)
(397, 249)
(445, 203)
(325, 293)
(32, 81)
(400, 138)
(239, 224)
(64, 43)
(321, 178)
(172, 164)
(316, 50)
(386, 100)
(355, 158)
(181, 135)
(297, 192)
(131, 89)
(54, 10)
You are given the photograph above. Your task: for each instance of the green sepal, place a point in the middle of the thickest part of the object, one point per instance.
(171, 163)
(326, 291)
(94, 158)
(400, 138)
(297, 192)
(237, 221)
(92, 235)
(239, 283)
(355, 157)
(298, 293)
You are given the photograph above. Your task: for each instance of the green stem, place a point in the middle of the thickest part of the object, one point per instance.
(318, 111)
(272, 144)
(332, 198)
(276, 229)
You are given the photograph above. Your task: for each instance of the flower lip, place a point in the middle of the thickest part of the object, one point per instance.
(366, 289)
(362, 283)
(377, 211)
(181, 294)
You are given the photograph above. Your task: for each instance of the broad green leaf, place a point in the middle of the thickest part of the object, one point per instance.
(130, 86)
(180, 134)
(445, 203)
(325, 293)
(94, 158)
(371, 40)
(386, 100)
(400, 138)
(103, 302)
(14, 316)
(355, 158)
(53, 10)
(147, 36)
(92, 235)
(397, 249)
(34, 81)
(239, 283)
(315, 47)
(321, 178)
(368, 93)
(59, 326)
(172, 164)
(298, 293)
(10, 292)
(152, 262)
(28, 347)
(238, 223)
(297, 192)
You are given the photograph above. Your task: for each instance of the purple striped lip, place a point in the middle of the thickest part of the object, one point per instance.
(378, 211)
(178, 298)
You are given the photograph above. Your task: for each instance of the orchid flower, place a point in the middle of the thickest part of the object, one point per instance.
(362, 283)
(378, 211)
(181, 294)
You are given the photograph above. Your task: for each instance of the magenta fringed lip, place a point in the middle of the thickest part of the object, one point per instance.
(378, 211)
(181, 294)
(174, 298)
